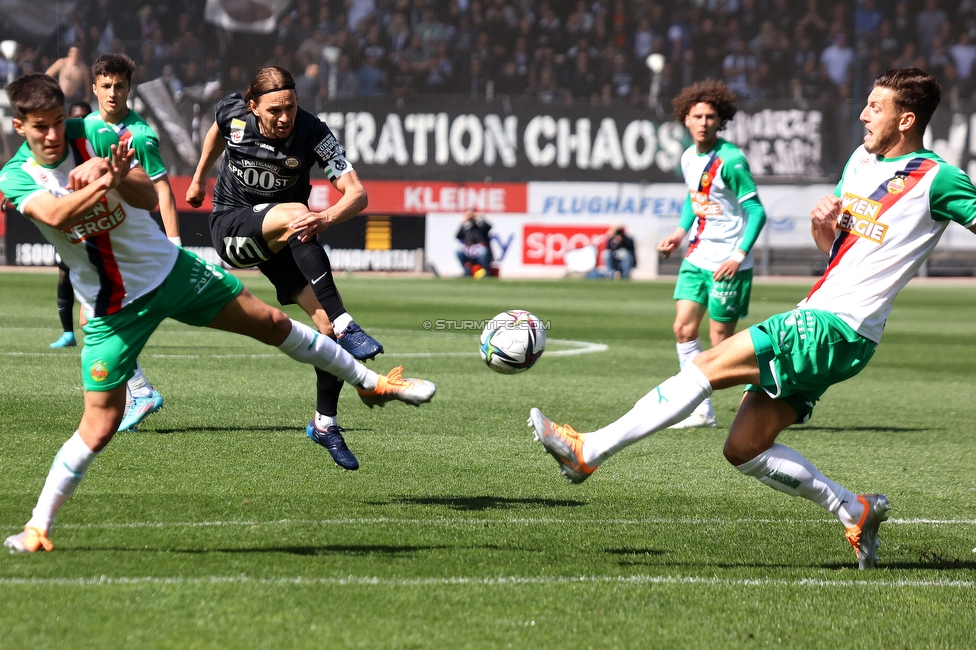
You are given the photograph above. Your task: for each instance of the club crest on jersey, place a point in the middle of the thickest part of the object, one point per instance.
(706, 180)
(98, 371)
(237, 130)
(859, 217)
(291, 162)
(896, 185)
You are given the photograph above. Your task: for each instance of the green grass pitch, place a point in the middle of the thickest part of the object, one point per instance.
(219, 524)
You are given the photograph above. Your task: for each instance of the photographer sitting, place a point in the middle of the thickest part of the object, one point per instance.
(619, 256)
(475, 254)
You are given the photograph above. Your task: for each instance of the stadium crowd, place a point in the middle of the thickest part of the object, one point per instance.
(570, 51)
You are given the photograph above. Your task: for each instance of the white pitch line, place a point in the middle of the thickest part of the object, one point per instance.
(580, 347)
(463, 521)
(501, 581)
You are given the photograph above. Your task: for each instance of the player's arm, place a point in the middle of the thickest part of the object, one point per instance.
(670, 243)
(167, 208)
(213, 147)
(134, 188)
(952, 197)
(353, 201)
(755, 220)
(63, 211)
(823, 221)
(137, 190)
(146, 144)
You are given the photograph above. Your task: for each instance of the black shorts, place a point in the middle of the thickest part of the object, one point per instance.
(238, 239)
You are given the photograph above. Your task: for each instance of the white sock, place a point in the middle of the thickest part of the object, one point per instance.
(784, 469)
(308, 346)
(138, 385)
(672, 401)
(341, 322)
(323, 422)
(687, 352)
(65, 475)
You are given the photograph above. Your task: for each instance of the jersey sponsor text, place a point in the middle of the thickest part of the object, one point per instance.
(101, 219)
(859, 218)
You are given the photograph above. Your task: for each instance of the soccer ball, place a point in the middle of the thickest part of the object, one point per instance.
(512, 341)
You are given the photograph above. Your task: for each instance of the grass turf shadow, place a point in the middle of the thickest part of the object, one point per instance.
(480, 503)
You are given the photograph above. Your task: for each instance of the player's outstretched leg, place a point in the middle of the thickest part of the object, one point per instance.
(563, 443)
(669, 402)
(703, 416)
(393, 386)
(308, 346)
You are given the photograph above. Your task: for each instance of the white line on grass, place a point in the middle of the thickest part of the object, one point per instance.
(462, 521)
(579, 347)
(356, 581)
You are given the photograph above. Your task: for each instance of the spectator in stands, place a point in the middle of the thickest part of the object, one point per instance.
(73, 76)
(867, 20)
(963, 54)
(346, 80)
(907, 57)
(475, 81)
(812, 25)
(737, 66)
(440, 71)
(810, 84)
(398, 32)
(707, 44)
(621, 80)
(359, 10)
(432, 31)
(582, 86)
(508, 82)
(927, 24)
(774, 52)
(546, 90)
(310, 89)
(643, 39)
(370, 79)
(836, 60)
(501, 22)
(310, 51)
(8, 70)
(404, 84)
(903, 25)
(172, 82)
(888, 44)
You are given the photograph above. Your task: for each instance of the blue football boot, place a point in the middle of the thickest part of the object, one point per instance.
(67, 340)
(358, 343)
(139, 409)
(332, 440)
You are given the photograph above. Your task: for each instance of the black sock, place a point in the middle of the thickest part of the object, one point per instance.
(315, 266)
(327, 389)
(66, 304)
